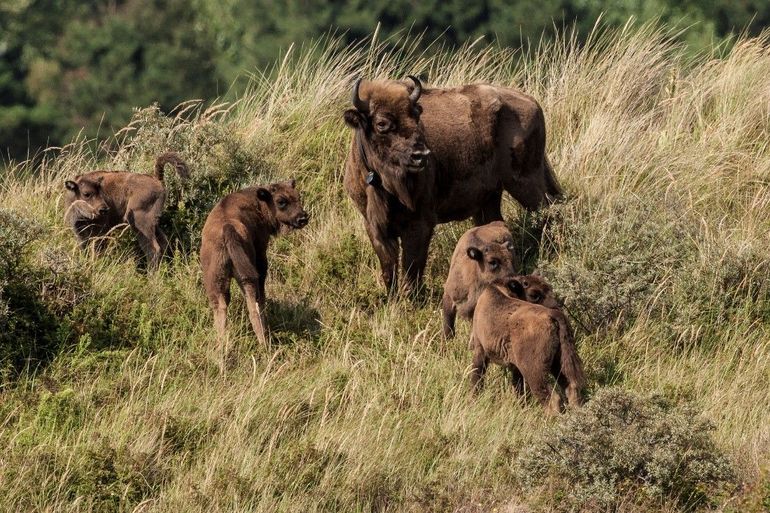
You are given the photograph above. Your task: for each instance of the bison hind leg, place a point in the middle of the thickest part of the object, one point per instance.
(543, 392)
(517, 380)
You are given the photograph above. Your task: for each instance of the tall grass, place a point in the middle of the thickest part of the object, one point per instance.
(660, 252)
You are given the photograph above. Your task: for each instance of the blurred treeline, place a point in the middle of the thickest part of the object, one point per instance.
(71, 67)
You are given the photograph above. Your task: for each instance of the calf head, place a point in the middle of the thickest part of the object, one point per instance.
(387, 118)
(494, 260)
(534, 289)
(87, 194)
(285, 203)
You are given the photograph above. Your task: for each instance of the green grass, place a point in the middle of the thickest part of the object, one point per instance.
(660, 252)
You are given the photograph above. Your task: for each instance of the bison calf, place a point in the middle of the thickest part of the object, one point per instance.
(529, 339)
(96, 202)
(482, 254)
(234, 244)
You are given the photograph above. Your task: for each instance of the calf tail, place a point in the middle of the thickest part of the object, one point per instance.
(242, 264)
(175, 160)
(571, 366)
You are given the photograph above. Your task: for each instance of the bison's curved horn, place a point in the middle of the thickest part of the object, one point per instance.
(358, 103)
(417, 91)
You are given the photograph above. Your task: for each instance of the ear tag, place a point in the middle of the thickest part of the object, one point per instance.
(372, 178)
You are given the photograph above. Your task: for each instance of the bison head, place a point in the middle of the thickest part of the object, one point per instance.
(284, 198)
(534, 289)
(387, 116)
(495, 261)
(87, 194)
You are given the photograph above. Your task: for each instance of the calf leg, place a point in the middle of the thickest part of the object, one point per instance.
(542, 392)
(145, 224)
(479, 366)
(255, 305)
(449, 311)
(219, 307)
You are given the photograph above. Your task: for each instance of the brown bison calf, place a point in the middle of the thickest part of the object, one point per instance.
(529, 339)
(96, 202)
(482, 254)
(234, 244)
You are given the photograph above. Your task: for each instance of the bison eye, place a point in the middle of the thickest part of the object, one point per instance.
(494, 264)
(536, 297)
(282, 203)
(87, 195)
(382, 126)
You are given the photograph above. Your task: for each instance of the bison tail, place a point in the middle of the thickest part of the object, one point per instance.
(242, 264)
(571, 366)
(175, 160)
(553, 189)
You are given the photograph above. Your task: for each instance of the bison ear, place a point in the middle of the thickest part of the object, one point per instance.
(353, 118)
(516, 288)
(537, 272)
(292, 183)
(71, 186)
(263, 194)
(498, 223)
(474, 254)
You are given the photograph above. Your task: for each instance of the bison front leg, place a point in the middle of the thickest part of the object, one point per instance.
(449, 311)
(386, 249)
(479, 365)
(415, 242)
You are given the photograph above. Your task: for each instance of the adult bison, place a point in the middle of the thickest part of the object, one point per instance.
(422, 156)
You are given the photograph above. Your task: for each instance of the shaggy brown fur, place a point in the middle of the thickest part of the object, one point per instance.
(468, 275)
(530, 339)
(420, 157)
(96, 202)
(234, 244)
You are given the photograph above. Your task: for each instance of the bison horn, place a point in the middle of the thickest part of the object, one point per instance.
(417, 91)
(358, 103)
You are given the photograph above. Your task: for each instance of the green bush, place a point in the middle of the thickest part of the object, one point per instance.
(36, 291)
(621, 445)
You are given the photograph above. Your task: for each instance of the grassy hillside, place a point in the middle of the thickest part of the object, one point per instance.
(114, 399)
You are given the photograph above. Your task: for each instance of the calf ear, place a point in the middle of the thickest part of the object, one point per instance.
(516, 288)
(353, 118)
(263, 194)
(292, 183)
(71, 186)
(474, 254)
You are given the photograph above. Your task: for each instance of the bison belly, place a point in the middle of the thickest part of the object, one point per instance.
(459, 129)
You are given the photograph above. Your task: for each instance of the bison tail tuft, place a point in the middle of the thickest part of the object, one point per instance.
(175, 160)
(571, 366)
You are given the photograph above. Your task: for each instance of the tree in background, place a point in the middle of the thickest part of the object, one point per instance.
(73, 66)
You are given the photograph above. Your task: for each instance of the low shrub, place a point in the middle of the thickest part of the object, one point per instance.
(621, 445)
(36, 291)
